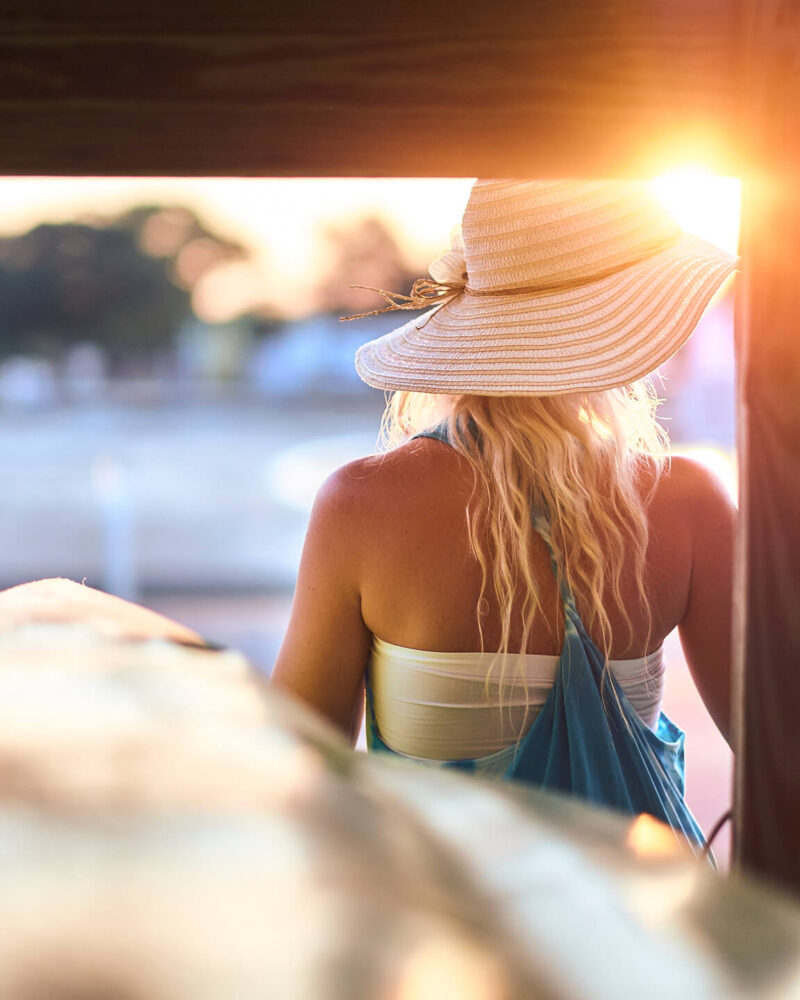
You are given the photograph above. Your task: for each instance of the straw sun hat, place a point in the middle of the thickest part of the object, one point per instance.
(550, 287)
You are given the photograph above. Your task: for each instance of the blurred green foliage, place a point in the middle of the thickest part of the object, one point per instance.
(124, 284)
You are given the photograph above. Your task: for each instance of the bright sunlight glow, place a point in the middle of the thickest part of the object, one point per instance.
(283, 221)
(704, 204)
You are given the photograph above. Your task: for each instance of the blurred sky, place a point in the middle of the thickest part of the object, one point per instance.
(283, 221)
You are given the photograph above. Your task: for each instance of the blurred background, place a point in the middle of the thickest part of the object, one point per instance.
(175, 384)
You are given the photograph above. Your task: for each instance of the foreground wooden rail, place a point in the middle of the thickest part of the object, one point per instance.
(171, 829)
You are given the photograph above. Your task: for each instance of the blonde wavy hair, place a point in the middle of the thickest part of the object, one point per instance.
(577, 459)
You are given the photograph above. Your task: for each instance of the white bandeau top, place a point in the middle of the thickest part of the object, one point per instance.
(436, 706)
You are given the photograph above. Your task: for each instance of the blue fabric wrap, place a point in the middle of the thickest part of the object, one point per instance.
(587, 740)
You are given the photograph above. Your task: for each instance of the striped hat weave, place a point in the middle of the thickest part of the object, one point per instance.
(550, 287)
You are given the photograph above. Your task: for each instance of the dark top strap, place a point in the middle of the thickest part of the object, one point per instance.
(438, 433)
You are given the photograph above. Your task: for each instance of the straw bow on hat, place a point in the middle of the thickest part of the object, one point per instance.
(551, 287)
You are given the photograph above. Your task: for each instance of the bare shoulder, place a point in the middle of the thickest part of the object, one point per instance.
(694, 486)
(707, 522)
(363, 511)
(345, 504)
(391, 479)
(350, 490)
(692, 515)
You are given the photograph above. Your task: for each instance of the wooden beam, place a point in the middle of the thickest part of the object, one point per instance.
(612, 87)
(767, 814)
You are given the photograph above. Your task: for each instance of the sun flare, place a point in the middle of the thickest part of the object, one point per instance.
(703, 203)
(282, 221)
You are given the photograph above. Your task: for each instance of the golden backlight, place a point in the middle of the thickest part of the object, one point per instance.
(283, 221)
(703, 204)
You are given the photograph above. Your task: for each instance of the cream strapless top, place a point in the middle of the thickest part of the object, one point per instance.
(438, 706)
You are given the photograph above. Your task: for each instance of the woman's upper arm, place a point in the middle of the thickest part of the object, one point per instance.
(324, 653)
(705, 630)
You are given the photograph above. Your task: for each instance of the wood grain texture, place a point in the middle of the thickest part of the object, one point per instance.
(767, 830)
(363, 89)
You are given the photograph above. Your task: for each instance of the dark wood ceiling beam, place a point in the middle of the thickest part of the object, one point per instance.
(610, 87)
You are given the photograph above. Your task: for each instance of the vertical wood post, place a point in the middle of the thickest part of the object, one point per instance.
(767, 646)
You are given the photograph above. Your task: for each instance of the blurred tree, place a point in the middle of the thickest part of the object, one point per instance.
(125, 285)
(365, 253)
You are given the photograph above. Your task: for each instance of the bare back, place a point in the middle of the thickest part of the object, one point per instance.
(421, 583)
(388, 542)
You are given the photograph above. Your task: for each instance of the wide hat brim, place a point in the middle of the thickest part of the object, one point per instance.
(596, 335)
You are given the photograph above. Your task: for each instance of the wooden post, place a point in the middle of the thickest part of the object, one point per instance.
(767, 650)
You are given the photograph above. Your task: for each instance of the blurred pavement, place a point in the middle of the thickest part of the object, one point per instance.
(204, 497)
